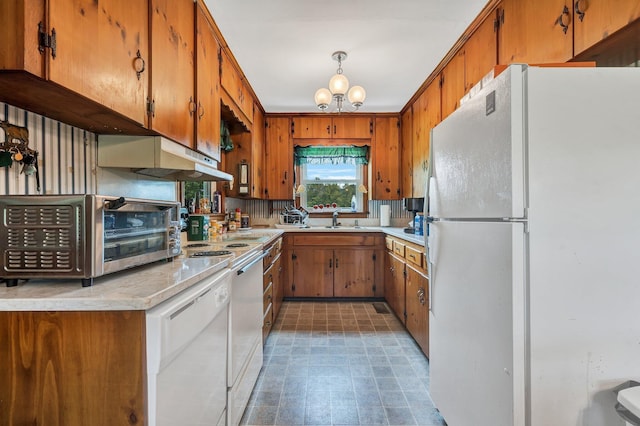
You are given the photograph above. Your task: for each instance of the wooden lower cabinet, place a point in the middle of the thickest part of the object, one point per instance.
(272, 286)
(417, 306)
(73, 368)
(394, 286)
(407, 287)
(328, 265)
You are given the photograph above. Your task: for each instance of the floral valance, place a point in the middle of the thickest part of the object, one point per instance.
(331, 155)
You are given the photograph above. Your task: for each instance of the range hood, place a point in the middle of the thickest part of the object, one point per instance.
(158, 157)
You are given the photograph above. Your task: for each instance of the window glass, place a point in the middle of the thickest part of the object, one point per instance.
(331, 185)
(193, 191)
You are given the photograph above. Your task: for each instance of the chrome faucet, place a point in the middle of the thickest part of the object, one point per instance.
(335, 219)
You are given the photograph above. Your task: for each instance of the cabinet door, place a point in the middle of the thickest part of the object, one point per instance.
(600, 19)
(97, 46)
(531, 31)
(352, 127)
(257, 154)
(353, 273)
(394, 289)
(417, 305)
(232, 83)
(278, 159)
(207, 89)
(480, 52)
(278, 290)
(452, 81)
(426, 115)
(172, 76)
(386, 159)
(313, 127)
(406, 153)
(313, 272)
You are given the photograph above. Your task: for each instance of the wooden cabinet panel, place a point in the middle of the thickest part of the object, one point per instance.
(232, 82)
(426, 115)
(531, 32)
(352, 127)
(353, 274)
(406, 153)
(600, 19)
(313, 127)
(452, 79)
(256, 165)
(73, 368)
(19, 24)
(348, 126)
(480, 52)
(278, 284)
(312, 272)
(386, 159)
(417, 306)
(278, 159)
(207, 88)
(394, 288)
(172, 69)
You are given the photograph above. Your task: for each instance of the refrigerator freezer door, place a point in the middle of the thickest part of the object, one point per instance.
(477, 322)
(477, 154)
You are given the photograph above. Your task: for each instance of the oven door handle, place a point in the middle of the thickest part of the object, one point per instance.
(248, 266)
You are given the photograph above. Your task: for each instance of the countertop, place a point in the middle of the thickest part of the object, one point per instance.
(139, 288)
(143, 287)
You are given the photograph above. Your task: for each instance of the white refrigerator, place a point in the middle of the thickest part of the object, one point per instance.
(534, 193)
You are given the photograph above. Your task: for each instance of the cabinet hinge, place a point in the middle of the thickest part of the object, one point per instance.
(371, 126)
(398, 123)
(46, 41)
(374, 257)
(293, 256)
(373, 288)
(404, 314)
(151, 107)
(441, 82)
(293, 288)
(293, 127)
(404, 272)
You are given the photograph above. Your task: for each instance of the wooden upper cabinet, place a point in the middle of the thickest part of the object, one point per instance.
(93, 65)
(278, 159)
(312, 127)
(346, 126)
(385, 156)
(248, 149)
(406, 153)
(173, 69)
(257, 154)
(480, 52)
(426, 115)
(207, 87)
(98, 43)
(596, 20)
(452, 84)
(533, 31)
(234, 86)
(352, 127)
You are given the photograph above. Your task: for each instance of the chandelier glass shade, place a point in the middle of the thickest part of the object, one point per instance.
(338, 88)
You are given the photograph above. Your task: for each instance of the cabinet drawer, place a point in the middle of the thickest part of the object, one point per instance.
(334, 240)
(398, 248)
(414, 256)
(267, 297)
(267, 278)
(267, 323)
(388, 242)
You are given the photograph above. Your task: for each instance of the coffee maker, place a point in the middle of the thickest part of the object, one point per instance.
(413, 205)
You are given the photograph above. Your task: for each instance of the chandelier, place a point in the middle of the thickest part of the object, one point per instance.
(338, 86)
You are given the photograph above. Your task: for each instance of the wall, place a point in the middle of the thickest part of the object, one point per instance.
(67, 158)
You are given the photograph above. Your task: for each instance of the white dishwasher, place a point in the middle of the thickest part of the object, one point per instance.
(245, 333)
(187, 355)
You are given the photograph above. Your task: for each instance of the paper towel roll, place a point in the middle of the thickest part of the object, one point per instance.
(385, 215)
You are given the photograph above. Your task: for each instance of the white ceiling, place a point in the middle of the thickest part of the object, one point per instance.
(284, 47)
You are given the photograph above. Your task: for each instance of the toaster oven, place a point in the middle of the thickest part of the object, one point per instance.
(83, 236)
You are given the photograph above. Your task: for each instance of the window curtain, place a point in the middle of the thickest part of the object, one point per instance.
(331, 155)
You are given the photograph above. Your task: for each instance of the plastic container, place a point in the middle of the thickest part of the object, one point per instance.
(244, 221)
(418, 224)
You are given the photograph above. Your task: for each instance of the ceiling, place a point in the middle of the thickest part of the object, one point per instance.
(284, 47)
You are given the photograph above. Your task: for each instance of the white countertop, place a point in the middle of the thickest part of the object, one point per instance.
(143, 287)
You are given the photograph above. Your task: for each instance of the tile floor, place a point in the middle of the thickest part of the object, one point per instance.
(341, 363)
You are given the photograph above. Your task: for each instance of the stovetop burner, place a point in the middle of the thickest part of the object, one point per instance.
(211, 253)
(237, 245)
(196, 245)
